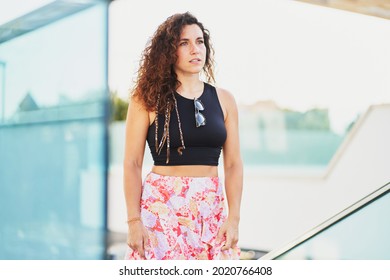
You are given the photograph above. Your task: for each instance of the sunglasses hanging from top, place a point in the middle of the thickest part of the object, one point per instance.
(200, 119)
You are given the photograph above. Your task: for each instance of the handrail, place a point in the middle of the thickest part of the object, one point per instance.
(329, 222)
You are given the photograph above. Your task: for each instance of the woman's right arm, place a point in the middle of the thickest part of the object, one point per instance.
(137, 123)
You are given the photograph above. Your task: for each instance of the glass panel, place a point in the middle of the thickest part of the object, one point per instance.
(17, 8)
(2, 89)
(43, 72)
(53, 139)
(362, 235)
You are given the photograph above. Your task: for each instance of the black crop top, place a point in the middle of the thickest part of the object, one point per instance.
(203, 144)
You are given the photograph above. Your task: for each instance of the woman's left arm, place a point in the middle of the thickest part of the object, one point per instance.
(233, 169)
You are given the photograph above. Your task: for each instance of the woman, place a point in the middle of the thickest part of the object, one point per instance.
(179, 210)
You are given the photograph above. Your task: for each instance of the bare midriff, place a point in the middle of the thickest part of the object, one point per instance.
(186, 170)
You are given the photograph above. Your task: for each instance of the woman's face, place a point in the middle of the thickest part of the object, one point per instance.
(191, 51)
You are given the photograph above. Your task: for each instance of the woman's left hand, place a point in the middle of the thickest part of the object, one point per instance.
(229, 230)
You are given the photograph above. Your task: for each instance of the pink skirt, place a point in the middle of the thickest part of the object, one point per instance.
(183, 216)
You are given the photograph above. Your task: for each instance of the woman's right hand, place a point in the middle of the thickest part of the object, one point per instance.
(138, 238)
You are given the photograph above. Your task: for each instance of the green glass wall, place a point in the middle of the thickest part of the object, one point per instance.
(53, 132)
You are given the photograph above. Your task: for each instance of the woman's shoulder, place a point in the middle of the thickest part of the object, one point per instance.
(136, 101)
(225, 96)
(226, 100)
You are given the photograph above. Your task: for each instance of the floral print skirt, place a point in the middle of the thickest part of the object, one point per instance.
(183, 216)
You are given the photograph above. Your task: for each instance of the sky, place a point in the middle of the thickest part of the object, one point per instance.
(299, 55)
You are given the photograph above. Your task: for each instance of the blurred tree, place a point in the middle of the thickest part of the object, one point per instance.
(314, 119)
(349, 127)
(118, 107)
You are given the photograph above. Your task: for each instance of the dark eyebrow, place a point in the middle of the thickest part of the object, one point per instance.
(185, 39)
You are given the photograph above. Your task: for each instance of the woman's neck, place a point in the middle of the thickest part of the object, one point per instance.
(190, 88)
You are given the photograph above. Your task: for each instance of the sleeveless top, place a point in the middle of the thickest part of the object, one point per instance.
(203, 144)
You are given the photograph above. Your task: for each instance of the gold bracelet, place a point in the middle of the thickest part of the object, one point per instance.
(133, 220)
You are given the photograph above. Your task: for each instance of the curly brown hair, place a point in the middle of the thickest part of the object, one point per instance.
(156, 75)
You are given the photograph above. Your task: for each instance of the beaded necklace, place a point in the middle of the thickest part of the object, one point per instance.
(165, 136)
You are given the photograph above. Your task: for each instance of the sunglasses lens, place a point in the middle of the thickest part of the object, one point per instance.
(199, 105)
(200, 119)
